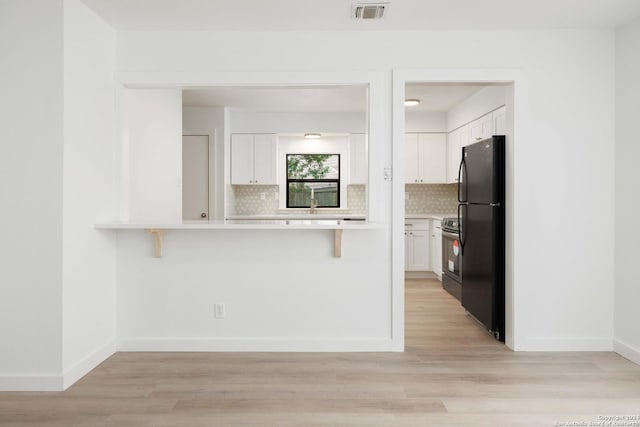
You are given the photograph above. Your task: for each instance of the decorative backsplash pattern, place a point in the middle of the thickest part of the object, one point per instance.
(431, 198)
(420, 199)
(247, 200)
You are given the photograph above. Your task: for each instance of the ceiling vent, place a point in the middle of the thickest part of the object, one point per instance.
(369, 10)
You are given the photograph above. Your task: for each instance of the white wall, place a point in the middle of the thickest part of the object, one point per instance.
(31, 148)
(425, 122)
(627, 276)
(477, 105)
(563, 286)
(152, 148)
(210, 120)
(88, 192)
(261, 122)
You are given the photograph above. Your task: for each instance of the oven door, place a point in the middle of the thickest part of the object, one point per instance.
(451, 256)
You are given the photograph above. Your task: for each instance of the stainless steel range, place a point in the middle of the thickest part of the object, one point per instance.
(451, 257)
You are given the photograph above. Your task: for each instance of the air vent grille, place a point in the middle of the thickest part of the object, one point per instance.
(368, 11)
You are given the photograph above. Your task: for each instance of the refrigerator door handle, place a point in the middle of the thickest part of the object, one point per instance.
(461, 227)
(462, 165)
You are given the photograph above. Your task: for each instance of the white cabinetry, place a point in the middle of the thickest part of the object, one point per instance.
(436, 247)
(416, 246)
(455, 140)
(426, 155)
(358, 159)
(412, 164)
(253, 159)
(480, 129)
(494, 123)
(500, 121)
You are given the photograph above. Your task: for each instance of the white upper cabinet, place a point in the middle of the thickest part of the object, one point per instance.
(253, 159)
(455, 141)
(358, 159)
(412, 163)
(264, 161)
(434, 157)
(241, 159)
(480, 129)
(426, 157)
(500, 121)
(490, 124)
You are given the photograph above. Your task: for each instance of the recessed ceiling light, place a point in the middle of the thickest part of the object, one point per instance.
(312, 135)
(411, 102)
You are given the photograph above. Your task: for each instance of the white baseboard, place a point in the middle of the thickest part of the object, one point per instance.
(31, 383)
(85, 366)
(257, 344)
(626, 351)
(566, 344)
(57, 382)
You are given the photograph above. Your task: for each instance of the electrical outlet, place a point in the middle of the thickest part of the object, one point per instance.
(219, 311)
(263, 196)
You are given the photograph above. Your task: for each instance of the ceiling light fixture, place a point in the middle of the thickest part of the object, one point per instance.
(312, 135)
(411, 102)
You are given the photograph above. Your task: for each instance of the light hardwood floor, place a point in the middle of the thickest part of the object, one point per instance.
(452, 373)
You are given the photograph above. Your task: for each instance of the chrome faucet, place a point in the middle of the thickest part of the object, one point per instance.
(313, 205)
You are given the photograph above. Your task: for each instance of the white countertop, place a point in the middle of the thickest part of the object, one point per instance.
(296, 216)
(430, 216)
(246, 224)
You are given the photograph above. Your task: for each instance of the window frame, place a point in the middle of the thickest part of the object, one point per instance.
(312, 180)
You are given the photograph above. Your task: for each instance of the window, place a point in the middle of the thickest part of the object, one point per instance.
(314, 176)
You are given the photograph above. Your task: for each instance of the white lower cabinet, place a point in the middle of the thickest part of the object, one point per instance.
(417, 246)
(436, 247)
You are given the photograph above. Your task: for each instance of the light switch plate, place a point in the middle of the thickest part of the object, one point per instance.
(219, 311)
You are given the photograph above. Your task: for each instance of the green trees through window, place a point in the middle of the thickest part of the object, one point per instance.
(313, 176)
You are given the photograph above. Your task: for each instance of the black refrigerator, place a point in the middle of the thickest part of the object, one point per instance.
(481, 216)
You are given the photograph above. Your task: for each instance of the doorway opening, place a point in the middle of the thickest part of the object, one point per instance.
(196, 177)
(441, 122)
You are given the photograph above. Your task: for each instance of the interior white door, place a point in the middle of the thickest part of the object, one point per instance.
(195, 178)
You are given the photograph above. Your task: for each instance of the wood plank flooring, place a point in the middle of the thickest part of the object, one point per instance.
(452, 374)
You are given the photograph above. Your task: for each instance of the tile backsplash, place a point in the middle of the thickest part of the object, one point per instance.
(420, 199)
(431, 198)
(247, 200)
